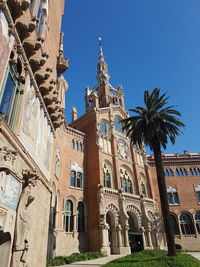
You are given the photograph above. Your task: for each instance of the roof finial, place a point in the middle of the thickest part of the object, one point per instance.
(100, 48)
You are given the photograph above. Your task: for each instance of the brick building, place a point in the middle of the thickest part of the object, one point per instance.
(68, 188)
(182, 172)
(31, 106)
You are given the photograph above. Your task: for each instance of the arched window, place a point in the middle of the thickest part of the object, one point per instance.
(81, 147)
(107, 175)
(68, 216)
(174, 225)
(104, 128)
(10, 96)
(171, 172)
(172, 195)
(81, 217)
(185, 172)
(167, 173)
(76, 179)
(187, 226)
(129, 186)
(117, 123)
(73, 178)
(195, 171)
(77, 145)
(73, 144)
(79, 180)
(181, 172)
(126, 181)
(197, 221)
(191, 172)
(177, 172)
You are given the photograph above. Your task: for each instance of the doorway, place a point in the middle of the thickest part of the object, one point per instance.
(135, 237)
(111, 233)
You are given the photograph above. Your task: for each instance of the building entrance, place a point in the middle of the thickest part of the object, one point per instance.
(111, 232)
(135, 242)
(135, 237)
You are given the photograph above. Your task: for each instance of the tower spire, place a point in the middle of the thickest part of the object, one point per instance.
(102, 68)
(100, 48)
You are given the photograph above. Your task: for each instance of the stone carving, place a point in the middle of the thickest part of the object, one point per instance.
(24, 218)
(62, 87)
(123, 150)
(7, 154)
(8, 159)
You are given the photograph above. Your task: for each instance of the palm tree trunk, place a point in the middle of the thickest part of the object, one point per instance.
(163, 197)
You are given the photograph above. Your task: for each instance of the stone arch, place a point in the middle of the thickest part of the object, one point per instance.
(108, 174)
(74, 202)
(134, 210)
(111, 208)
(127, 179)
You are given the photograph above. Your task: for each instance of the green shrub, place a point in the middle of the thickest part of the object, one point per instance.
(154, 258)
(61, 260)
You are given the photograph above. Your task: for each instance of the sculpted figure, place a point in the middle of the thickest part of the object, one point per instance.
(62, 87)
(23, 223)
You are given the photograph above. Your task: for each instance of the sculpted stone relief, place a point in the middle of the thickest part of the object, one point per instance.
(62, 87)
(123, 150)
(24, 219)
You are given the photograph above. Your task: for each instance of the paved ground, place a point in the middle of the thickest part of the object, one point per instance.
(93, 263)
(195, 254)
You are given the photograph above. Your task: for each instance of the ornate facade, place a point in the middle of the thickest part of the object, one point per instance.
(65, 188)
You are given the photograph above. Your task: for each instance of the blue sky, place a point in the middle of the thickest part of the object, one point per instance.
(147, 44)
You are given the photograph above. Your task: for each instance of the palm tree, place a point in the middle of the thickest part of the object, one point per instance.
(154, 126)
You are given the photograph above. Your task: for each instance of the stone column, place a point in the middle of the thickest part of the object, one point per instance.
(105, 249)
(142, 231)
(149, 238)
(75, 226)
(119, 235)
(126, 240)
(195, 228)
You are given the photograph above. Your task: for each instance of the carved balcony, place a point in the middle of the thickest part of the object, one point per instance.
(62, 64)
